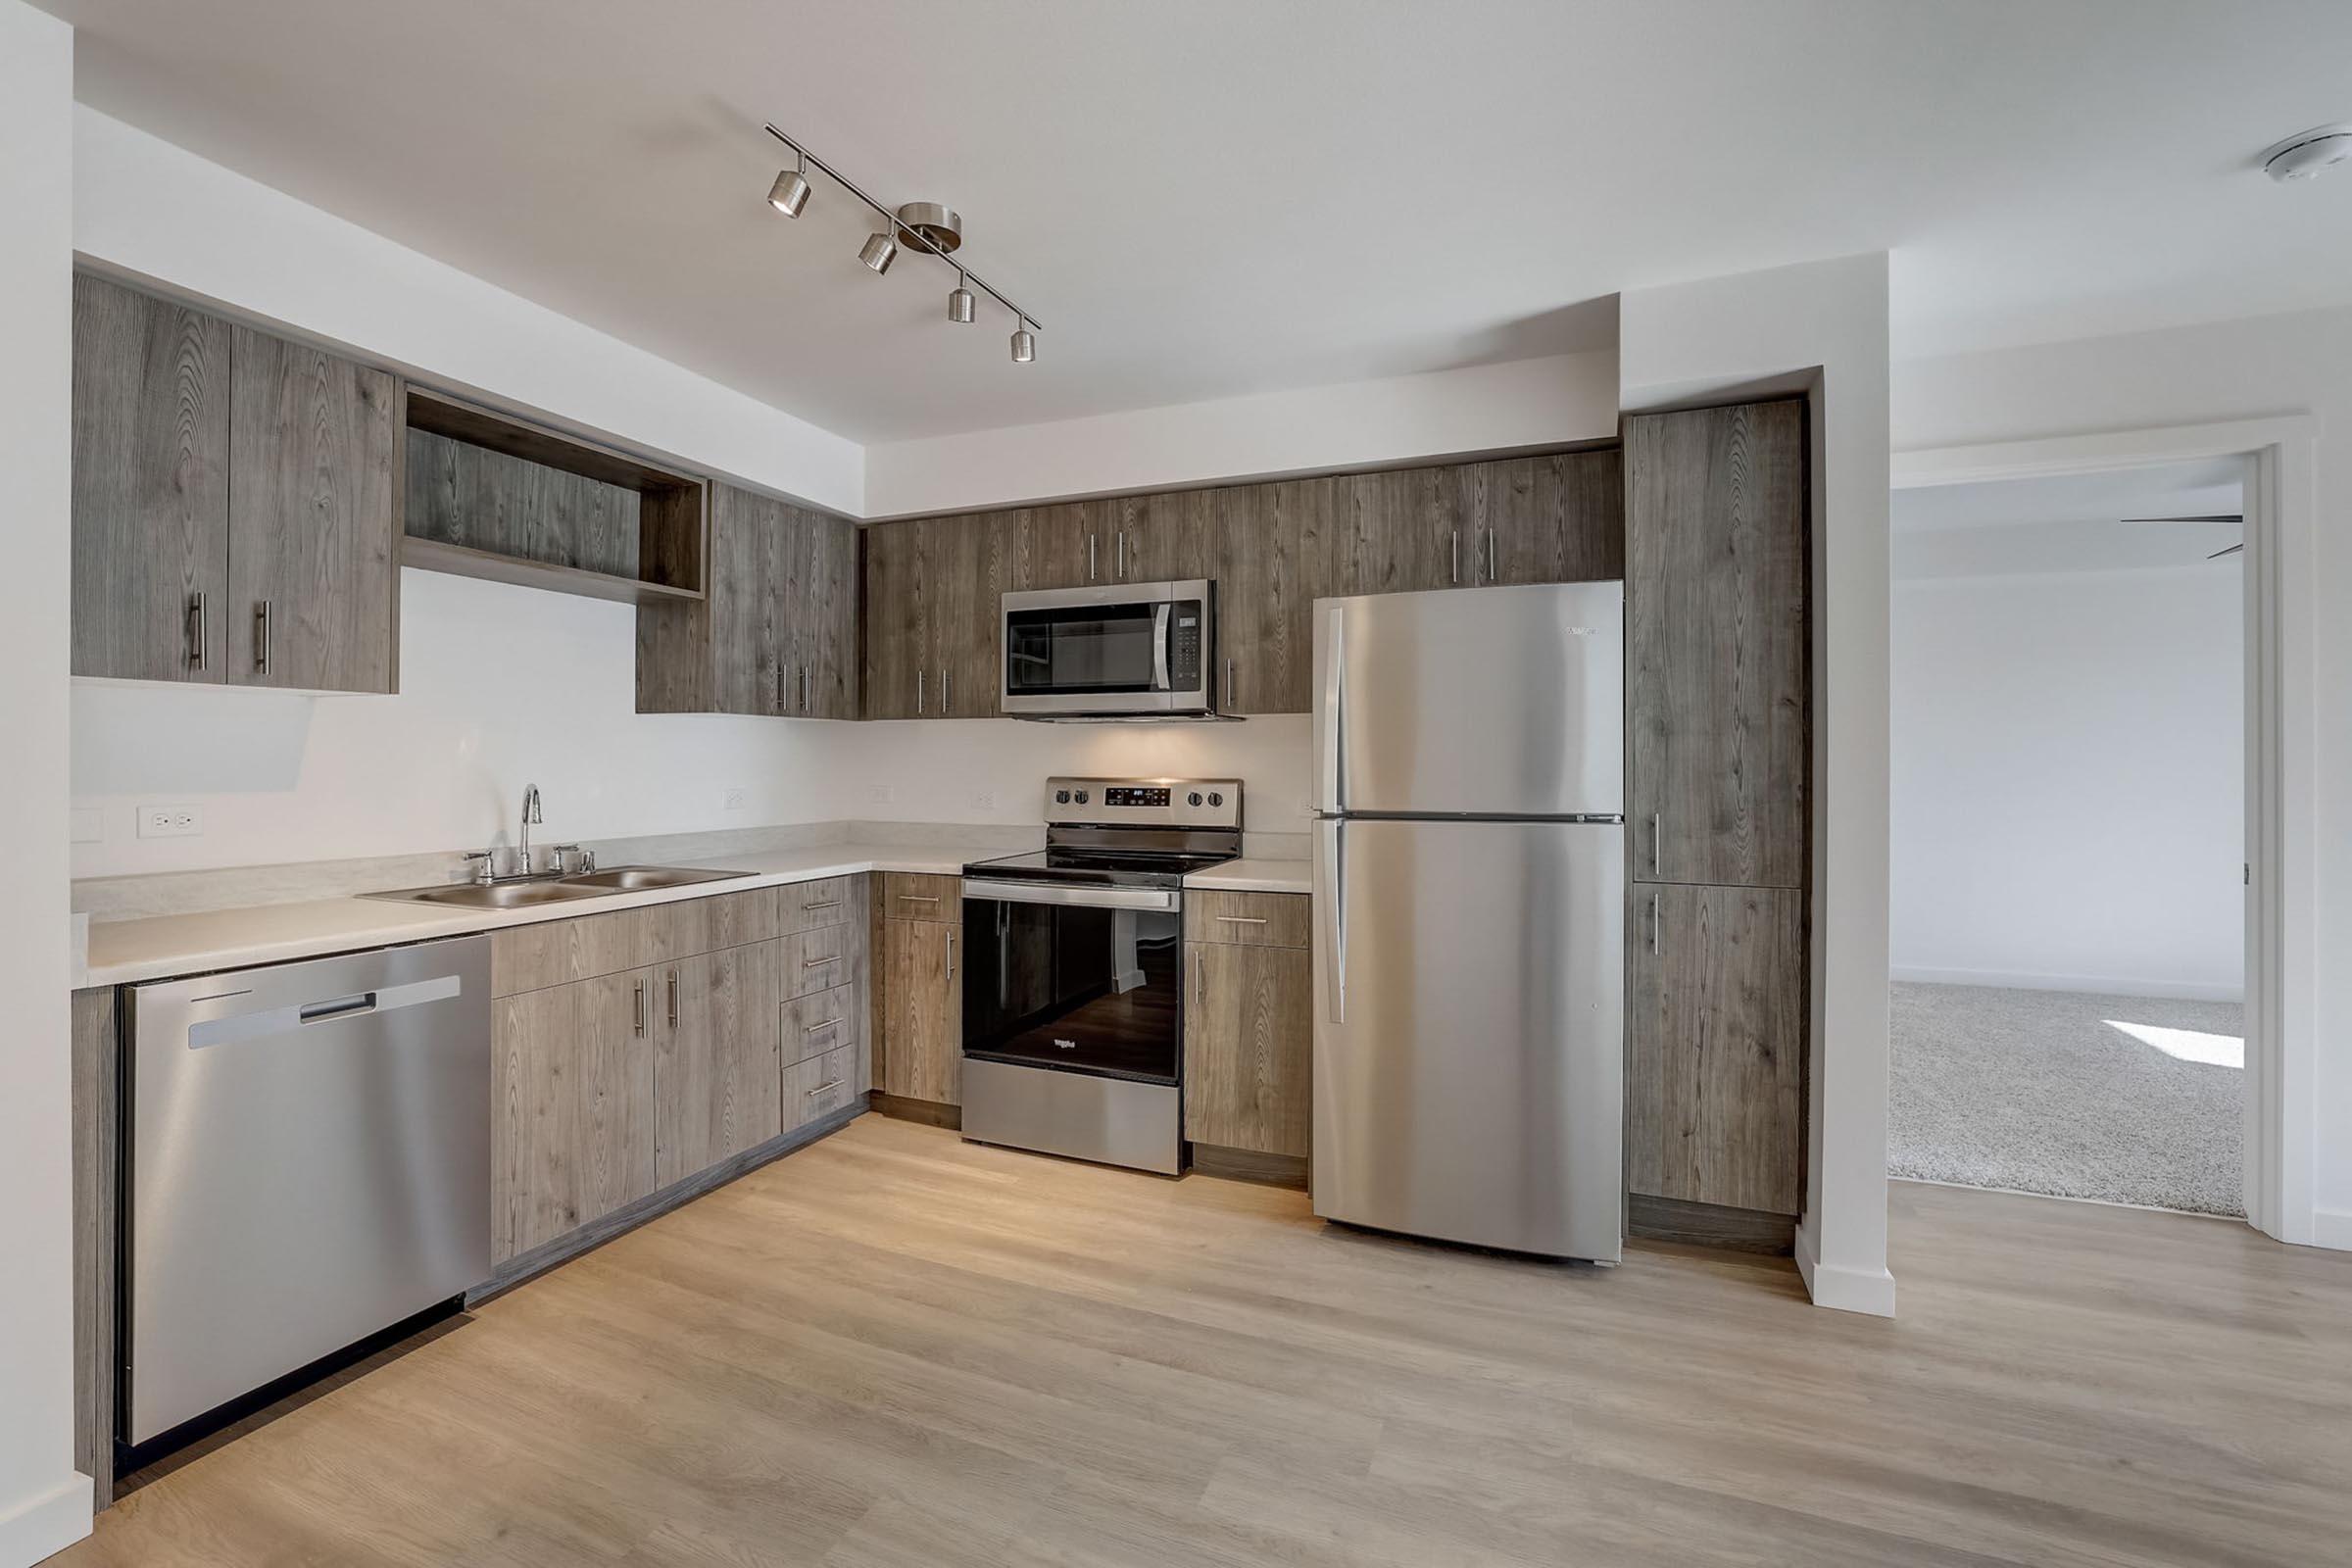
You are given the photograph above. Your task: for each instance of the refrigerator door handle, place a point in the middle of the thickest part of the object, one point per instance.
(1335, 711)
(1335, 843)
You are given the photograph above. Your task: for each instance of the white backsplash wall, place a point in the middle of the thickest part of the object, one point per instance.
(994, 769)
(500, 687)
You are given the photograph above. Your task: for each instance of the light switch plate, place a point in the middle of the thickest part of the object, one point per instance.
(170, 822)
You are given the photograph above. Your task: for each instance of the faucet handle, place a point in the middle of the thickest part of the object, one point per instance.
(556, 853)
(489, 860)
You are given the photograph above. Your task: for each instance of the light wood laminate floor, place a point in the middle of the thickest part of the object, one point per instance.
(896, 1348)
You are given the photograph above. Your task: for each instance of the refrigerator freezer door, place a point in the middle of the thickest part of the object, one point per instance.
(1470, 1031)
(1494, 701)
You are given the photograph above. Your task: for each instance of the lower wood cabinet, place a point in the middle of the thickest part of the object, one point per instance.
(1715, 1074)
(921, 1047)
(1249, 1022)
(716, 1060)
(571, 1108)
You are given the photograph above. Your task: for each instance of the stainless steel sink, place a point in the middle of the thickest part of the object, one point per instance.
(638, 878)
(491, 896)
(523, 895)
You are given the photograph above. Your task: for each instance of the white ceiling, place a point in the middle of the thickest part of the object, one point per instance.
(1211, 197)
(2070, 522)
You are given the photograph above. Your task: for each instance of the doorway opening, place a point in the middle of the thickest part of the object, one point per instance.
(2069, 794)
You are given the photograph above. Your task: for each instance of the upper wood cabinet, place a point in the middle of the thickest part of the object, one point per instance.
(1716, 1033)
(1717, 677)
(775, 632)
(236, 503)
(1170, 537)
(933, 590)
(1555, 519)
(1279, 547)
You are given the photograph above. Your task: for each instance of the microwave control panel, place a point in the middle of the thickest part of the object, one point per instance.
(1184, 647)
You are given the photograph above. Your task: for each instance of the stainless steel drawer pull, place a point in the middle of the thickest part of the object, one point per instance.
(829, 904)
(829, 1023)
(196, 613)
(1657, 841)
(673, 999)
(819, 963)
(640, 1007)
(920, 898)
(1240, 919)
(261, 637)
(1655, 922)
(1455, 549)
(828, 1084)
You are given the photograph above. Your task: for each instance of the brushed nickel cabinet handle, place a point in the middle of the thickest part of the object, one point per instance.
(1229, 685)
(261, 637)
(1657, 841)
(950, 953)
(829, 1023)
(804, 688)
(196, 615)
(819, 963)
(829, 904)
(780, 707)
(919, 694)
(673, 999)
(946, 691)
(1090, 558)
(919, 897)
(1494, 571)
(1240, 919)
(1454, 554)
(641, 1009)
(1123, 557)
(830, 1083)
(1200, 980)
(1655, 921)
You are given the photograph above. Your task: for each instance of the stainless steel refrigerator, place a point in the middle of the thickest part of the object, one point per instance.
(1469, 790)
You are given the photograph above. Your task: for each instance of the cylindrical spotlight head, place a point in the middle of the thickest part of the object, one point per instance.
(878, 252)
(1025, 344)
(960, 303)
(790, 193)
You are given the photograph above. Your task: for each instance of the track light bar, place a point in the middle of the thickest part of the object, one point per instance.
(915, 233)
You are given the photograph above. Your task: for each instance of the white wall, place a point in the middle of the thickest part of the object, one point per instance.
(147, 208)
(44, 1503)
(1485, 408)
(2242, 370)
(500, 687)
(2069, 785)
(1823, 325)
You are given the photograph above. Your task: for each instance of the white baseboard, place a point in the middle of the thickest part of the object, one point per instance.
(2331, 1227)
(46, 1524)
(1845, 1290)
(2102, 984)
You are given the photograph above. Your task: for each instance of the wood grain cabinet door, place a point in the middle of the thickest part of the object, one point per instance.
(964, 572)
(151, 454)
(1717, 679)
(922, 1056)
(1408, 531)
(827, 618)
(573, 1107)
(1715, 1068)
(716, 1064)
(752, 545)
(1279, 547)
(897, 613)
(1162, 538)
(1554, 518)
(313, 518)
(1053, 547)
(1249, 1042)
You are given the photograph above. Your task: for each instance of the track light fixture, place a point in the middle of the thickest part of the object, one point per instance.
(790, 193)
(925, 227)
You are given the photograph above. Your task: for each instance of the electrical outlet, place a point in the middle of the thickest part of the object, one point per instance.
(170, 822)
(734, 801)
(879, 794)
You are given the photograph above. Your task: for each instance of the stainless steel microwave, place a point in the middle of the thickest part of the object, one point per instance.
(1121, 650)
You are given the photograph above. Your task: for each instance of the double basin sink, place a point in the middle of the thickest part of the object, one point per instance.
(528, 893)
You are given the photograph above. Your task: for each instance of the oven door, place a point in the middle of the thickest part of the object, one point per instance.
(1079, 979)
(1130, 648)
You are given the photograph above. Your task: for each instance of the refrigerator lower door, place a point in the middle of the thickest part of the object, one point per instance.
(1470, 1032)
(1507, 702)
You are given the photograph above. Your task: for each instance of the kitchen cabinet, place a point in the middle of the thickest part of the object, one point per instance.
(934, 589)
(1554, 519)
(151, 398)
(1716, 1034)
(572, 1134)
(236, 503)
(919, 1052)
(1249, 1023)
(1170, 537)
(1717, 680)
(1279, 547)
(717, 1058)
(775, 633)
(1407, 531)
(1052, 547)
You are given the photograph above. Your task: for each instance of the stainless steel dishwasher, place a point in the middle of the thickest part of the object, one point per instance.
(307, 1161)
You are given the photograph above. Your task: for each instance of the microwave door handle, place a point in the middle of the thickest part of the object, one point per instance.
(1159, 645)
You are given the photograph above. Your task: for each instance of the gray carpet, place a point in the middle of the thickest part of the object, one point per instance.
(2038, 1091)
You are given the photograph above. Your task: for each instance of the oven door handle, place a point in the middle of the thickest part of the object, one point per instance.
(1159, 645)
(987, 888)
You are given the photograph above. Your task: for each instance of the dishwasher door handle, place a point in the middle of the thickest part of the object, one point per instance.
(261, 1022)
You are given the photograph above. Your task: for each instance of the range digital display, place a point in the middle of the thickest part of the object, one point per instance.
(1132, 795)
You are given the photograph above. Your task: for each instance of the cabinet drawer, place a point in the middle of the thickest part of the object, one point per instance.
(907, 896)
(818, 960)
(822, 1021)
(1256, 919)
(820, 1086)
(832, 900)
(557, 953)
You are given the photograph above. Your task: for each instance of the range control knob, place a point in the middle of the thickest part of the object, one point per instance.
(1081, 797)
(1193, 798)
(1061, 797)
(1216, 798)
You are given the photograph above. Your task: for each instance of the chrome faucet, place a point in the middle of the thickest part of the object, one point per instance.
(530, 815)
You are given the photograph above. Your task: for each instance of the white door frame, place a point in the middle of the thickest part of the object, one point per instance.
(2282, 505)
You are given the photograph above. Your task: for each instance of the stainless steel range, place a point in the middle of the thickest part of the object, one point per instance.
(1073, 988)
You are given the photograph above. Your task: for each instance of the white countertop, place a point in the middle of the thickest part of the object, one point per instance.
(1258, 875)
(126, 950)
